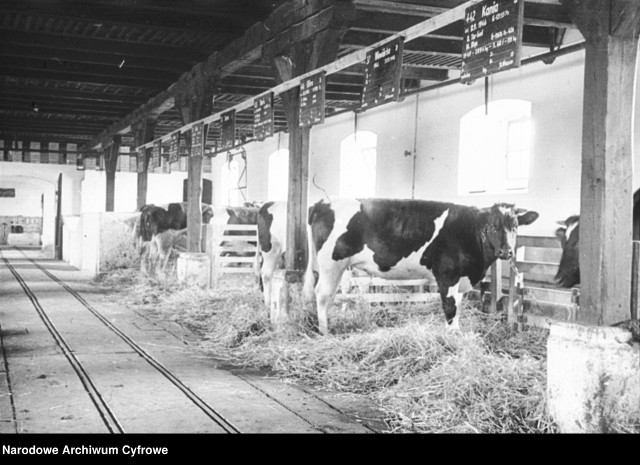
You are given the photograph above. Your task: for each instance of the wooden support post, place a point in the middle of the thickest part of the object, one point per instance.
(515, 303)
(110, 163)
(299, 58)
(610, 28)
(143, 132)
(294, 60)
(194, 102)
(635, 277)
(496, 285)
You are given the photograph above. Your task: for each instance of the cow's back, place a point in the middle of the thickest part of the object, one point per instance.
(383, 237)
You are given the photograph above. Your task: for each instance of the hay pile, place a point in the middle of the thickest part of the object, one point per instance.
(425, 379)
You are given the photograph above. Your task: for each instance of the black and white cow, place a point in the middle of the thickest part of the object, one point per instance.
(272, 238)
(568, 274)
(401, 239)
(161, 229)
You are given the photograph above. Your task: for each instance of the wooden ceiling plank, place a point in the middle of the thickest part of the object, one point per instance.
(239, 53)
(130, 15)
(70, 95)
(84, 69)
(82, 78)
(538, 12)
(89, 44)
(62, 56)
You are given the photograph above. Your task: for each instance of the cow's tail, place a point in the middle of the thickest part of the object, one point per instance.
(257, 267)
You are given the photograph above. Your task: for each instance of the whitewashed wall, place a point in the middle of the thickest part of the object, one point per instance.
(556, 93)
(31, 181)
(161, 188)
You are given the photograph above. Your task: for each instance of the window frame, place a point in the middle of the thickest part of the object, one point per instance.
(505, 115)
(363, 144)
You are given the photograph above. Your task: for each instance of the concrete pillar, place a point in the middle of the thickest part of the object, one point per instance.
(593, 377)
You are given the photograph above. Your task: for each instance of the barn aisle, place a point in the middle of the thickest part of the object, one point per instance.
(74, 362)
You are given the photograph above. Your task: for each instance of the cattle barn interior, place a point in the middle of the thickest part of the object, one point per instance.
(96, 93)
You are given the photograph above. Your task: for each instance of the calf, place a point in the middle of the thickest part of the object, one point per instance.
(155, 220)
(401, 239)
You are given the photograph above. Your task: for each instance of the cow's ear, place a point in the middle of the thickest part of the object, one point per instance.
(527, 217)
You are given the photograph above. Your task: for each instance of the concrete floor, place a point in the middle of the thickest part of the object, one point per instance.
(87, 365)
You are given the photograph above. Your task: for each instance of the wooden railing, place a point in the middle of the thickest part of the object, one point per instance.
(232, 248)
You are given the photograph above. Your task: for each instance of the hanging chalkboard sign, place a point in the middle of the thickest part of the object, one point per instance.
(312, 90)
(155, 155)
(166, 165)
(263, 116)
(492, 38)
(174, 146)
(228, 128)
(197, 140)
(382, 74)
(133, 162)
(44, 152)
(90, 163)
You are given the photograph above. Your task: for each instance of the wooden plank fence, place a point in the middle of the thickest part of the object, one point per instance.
(232, 249)
(378, 290)
(532, 286)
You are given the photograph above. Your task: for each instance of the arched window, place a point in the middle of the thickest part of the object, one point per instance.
(278, 181)
(495, 148)
(233, 181)
(358, 165)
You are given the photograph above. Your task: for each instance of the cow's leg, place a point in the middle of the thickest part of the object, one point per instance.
(258, 260)
(144, 258)
(270, 263)
(328, 280)
(309, 286)
(151, 259)
(451, 295)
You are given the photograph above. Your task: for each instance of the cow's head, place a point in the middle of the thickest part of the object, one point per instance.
(568, 274)
(501, 229)
(563, 233)
(207, 213)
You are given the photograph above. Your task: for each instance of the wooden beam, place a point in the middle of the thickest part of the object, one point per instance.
(89, 44)
(194, 102)
(427, 44)
(108, 70)
(50, 53)
(201, 17)
(43, 136)
(303, 57)
(418, 30)
(540, 13)
(425, 74)
(610, 29)
(110, 163)
(71, 94)
(239, 53)
(143, 131)
(86, 78)
(154, 107)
